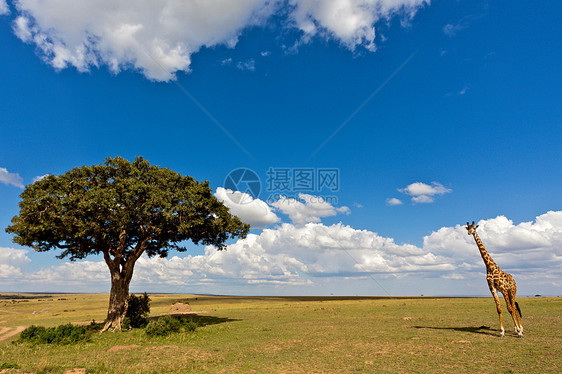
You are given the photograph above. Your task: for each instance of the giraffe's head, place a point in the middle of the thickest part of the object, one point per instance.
(471, 228)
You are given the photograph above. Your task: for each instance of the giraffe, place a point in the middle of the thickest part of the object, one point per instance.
(498, 280)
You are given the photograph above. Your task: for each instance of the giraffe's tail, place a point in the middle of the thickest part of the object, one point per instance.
(518, 310)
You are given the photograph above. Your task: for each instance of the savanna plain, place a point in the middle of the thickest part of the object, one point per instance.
(290, 335)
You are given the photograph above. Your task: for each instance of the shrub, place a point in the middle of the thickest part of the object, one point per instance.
(157, 328)
(137, 312)
(166, 325)
(63, 334)
(190, 325)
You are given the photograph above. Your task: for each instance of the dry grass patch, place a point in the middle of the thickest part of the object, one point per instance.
(116, 348)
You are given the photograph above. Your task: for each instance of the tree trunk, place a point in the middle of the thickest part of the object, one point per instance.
(118, 300)
(121, 274)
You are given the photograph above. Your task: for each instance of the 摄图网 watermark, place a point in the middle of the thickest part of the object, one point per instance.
(285, 183)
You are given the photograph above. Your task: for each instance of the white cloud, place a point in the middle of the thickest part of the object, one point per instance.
(418, 188)
(246, 65)
(352, 22)
(393, 201)
(4, 9)
(253, 211)
(529, 248)
(318, 250)
(424, 193)
(286, 255)
(310, 209)
(452, 30)
(12, 263)
(307, 256)
(226, 61)
(265, 53)
(158, 38)
(13, 256)
(423, 199)
(74, 274)
(8, 178)
(40, 177)
(292, 255)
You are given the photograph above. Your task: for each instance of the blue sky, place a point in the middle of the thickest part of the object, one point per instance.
(451, 108)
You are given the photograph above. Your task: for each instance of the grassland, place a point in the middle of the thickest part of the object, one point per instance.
(293, 335)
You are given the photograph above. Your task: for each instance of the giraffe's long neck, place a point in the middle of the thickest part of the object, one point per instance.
(490, 264)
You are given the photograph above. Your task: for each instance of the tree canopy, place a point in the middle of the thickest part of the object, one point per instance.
(121, 209)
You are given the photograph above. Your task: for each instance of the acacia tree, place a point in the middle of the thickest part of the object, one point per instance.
(121, 209)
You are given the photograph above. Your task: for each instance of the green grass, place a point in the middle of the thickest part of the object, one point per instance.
(297, 335)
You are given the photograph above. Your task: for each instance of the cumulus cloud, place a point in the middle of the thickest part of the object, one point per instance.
(4, 9)
(289, 254)
(12, 263)
(293, 255)
(308, 255)
(318, 250)
(393, 201)
(352, 22)
(158, 38)
(424, 193)
(529, 248)
(74, 274)
(243, 263)
(12, 179)
(308, 208)
(253, 211)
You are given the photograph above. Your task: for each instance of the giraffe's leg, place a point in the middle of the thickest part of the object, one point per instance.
(520, 332)
(516, 316)
(511, 309)
(499, 308)
(512, 291)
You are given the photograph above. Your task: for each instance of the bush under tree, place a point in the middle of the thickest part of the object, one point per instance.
(137, 311)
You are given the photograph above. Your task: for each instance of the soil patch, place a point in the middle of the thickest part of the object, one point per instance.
(180, 308)
(8, 332)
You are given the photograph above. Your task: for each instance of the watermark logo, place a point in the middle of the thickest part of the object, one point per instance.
(303, 179)
(283, 183)
(243, 180)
